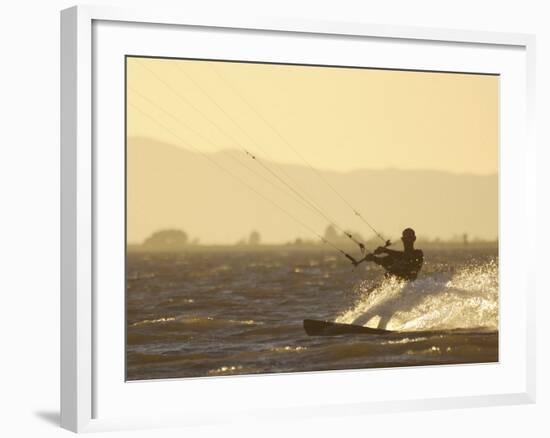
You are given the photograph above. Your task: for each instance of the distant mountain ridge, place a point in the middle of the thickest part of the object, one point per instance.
(170, 187)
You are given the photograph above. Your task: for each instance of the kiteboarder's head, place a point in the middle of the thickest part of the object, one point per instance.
(408, 235)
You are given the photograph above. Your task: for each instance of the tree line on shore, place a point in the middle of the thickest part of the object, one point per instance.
(177, 240)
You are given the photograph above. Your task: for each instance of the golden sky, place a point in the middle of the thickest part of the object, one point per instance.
(334, 119)
(337, 118)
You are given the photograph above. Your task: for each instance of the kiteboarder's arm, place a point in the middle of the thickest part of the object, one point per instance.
(386, 250)
(385, 261)
(389, 256)
(367, 258)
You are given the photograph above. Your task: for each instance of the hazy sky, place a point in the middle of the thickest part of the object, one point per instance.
(337, 118)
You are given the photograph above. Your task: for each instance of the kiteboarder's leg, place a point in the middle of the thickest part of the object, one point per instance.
(383, 322)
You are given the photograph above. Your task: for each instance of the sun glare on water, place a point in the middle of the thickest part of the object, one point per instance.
(443, 301)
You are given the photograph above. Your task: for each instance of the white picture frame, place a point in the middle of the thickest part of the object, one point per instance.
(85, 375)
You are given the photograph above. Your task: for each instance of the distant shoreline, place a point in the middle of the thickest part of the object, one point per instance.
(132, 248)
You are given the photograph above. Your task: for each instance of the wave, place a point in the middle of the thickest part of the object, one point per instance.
(289, 349)
(153, 321)
(442, 301)
(205, 321)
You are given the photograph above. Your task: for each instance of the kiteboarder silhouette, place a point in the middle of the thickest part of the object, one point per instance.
(404, 264)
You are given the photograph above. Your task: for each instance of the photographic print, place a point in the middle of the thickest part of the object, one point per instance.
(292, 218)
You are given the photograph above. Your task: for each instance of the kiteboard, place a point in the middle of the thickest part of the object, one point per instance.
(315, 327)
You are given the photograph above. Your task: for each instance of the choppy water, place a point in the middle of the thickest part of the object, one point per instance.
(219, 313)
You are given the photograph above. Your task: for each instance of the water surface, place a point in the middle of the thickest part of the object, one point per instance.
(211, 313)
